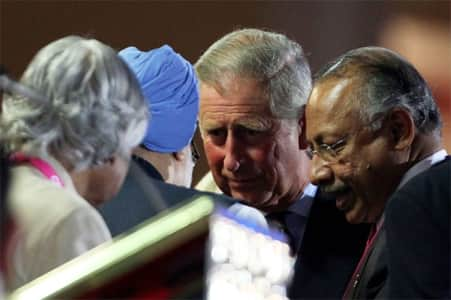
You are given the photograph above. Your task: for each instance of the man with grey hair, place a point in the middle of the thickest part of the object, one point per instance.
(254, 86)
(372, 126)
(71, 146)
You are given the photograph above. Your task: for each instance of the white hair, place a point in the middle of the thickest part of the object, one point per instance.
(91, 106)
(272, 59)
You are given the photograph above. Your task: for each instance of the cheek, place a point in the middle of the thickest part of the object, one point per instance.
(346, 172)
(215, 155)
(262, 156)
(266, 162)
(120, 171)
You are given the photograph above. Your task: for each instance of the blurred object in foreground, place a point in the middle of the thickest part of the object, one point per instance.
(162, 259)
(246, 261)
(165, 258)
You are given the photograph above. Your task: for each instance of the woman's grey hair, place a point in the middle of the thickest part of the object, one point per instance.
(388, 81)
(272, 59)
(88, 108)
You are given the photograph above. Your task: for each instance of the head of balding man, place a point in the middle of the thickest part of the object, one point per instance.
(368, 117)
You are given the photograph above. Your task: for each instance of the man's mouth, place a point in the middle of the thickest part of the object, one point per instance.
(343, 196)
(241, 183)
(344, 201)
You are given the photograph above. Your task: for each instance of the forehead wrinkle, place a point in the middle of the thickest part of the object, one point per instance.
(254, 121)
(332, 107)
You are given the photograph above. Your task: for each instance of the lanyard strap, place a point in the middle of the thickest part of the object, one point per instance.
(355, 278)
(41, 165)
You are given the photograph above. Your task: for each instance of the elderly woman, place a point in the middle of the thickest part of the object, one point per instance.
(71, 147)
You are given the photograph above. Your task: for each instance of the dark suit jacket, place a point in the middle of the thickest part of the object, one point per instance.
(418, 236)
(369, 281)
(330, 250)
(144, 195)
(412, 248)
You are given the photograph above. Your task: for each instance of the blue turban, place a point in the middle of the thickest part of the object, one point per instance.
(169, 83)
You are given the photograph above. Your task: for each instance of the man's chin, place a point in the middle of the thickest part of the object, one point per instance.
(259, 201)
(355, 216)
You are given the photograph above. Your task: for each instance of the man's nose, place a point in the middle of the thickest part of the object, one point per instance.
(232, 159)
(321, 172)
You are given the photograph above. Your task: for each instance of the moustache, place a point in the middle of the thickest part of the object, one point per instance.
(335, 189)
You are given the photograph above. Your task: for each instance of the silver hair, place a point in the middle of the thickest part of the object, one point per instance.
(272, 59)
(90, 105)
(388, 81)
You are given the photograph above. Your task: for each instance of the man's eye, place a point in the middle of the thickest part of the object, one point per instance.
(216, 132)
(338, 146)
(252, 132)
(217, 136)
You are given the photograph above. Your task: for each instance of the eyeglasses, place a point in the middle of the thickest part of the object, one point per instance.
(328, 152)
(195, 156)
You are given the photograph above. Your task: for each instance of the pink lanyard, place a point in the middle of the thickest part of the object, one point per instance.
(355, 278)
(41, 165)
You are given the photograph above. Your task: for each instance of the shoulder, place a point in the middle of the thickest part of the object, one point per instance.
(39, 205)
(437, 175)
(424, 200)
(429, 190)
(83, 228)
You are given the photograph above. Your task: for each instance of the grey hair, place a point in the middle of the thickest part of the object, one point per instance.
(272, 59)
(388, 81)
(90, 105)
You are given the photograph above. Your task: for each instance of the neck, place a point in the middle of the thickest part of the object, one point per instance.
(299, 184)
(423, 146)
(80, 179)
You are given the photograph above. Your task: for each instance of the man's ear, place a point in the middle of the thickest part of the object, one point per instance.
(180, 155)
(301, 129)
(401, 128)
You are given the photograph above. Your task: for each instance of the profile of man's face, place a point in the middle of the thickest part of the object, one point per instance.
(351, 161)
(107, 179)
(251, 154)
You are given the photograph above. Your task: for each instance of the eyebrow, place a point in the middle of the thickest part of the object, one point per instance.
(209, 125)
(259, 124)
(255, 123)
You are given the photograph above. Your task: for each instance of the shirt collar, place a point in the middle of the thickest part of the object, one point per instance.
(422, 166)
(304, 203)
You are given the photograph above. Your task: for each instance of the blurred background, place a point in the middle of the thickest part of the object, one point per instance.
(419, 30)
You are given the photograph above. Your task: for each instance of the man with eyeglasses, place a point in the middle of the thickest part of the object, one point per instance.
(254, 85)
(372, 125)
(167, 152)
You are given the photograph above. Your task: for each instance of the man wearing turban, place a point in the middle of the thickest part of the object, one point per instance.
(170, 86)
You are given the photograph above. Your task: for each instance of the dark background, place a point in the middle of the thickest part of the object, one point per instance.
(324, 28)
